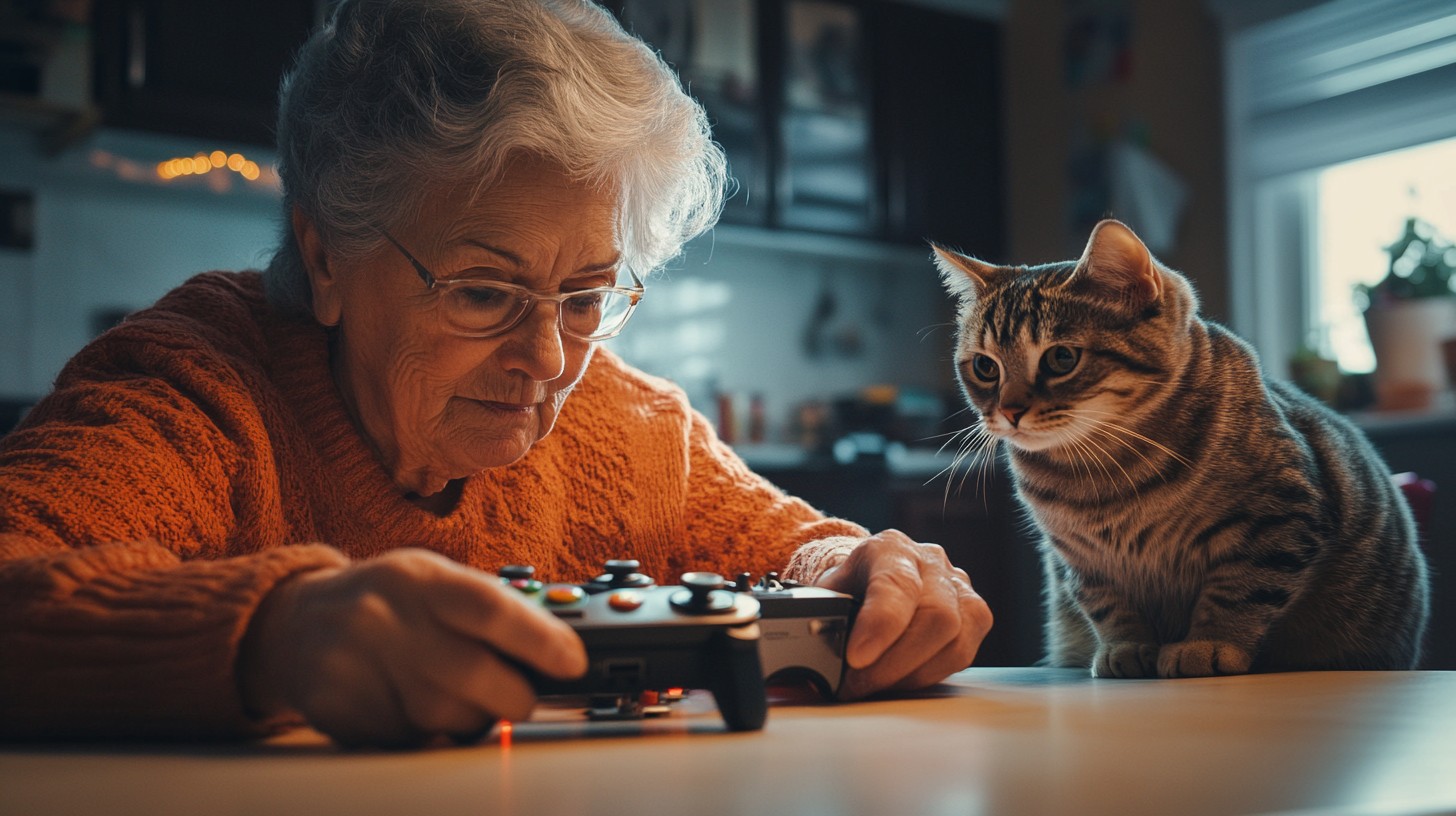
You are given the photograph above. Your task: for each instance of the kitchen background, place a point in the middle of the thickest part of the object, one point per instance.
(134, 152)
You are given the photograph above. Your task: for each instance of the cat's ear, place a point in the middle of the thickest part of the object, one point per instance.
(1117, 263)
(962, 275)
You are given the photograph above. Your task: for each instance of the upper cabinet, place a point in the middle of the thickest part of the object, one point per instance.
(938, 126)
(879, 120)
(868, 118)
(203, 68)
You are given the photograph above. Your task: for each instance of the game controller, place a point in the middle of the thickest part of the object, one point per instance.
(641, 637)
(803, 631)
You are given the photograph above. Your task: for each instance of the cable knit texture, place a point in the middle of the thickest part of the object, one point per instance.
(199, 453)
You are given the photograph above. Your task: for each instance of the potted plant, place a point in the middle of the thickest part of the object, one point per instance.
(1409, 314)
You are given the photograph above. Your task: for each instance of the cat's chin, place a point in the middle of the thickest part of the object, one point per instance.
(1031, 442)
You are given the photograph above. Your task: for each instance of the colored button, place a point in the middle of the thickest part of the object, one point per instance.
(526, 584)
(625, 600)
(563, 595)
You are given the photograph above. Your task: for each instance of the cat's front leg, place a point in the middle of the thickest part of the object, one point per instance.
(1241, 600)
(1126, 644)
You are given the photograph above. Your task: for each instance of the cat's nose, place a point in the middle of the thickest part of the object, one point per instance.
(1013, 414)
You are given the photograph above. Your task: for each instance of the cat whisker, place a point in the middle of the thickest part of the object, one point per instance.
(987, 455)
(964, 439)
(1131, 483)
(988, 462)
(1110, 431)
(978, 444)
(1082, 448)
(953, 435)
(925, 331)
(1130, 432)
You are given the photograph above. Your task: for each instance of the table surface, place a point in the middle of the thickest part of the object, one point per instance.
(989, 740)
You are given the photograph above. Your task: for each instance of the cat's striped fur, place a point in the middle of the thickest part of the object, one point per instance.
(1197, 518)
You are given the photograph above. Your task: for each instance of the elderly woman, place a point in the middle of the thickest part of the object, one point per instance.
(275, 500)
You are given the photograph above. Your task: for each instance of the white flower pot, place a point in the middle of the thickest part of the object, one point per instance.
(1410, 372)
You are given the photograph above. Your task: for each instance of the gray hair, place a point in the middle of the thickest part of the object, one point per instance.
(392, 98)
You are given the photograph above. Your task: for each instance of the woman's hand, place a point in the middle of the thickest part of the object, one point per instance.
(920, 621)
(398, 649)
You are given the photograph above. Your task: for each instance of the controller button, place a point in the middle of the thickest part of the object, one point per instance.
(625, 600)
(526, 585)
(563, 595)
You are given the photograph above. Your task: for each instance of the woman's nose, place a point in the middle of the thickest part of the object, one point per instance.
(538, 343)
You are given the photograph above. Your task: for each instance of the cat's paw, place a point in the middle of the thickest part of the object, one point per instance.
(1202, 658)
(1125, 658)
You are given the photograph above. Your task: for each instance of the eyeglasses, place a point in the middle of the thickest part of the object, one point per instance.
(475, 307)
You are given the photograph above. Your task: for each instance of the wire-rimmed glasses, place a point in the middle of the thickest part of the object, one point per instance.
(476, 307)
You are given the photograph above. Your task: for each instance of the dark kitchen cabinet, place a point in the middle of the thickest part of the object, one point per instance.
(937, 86)
(201, 68)
(879, 120)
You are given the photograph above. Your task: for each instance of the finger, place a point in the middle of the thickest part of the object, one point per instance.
(974, 621)
(891, 597)
(465, 674)
(477, 605)
(935, 624)
(364, 713)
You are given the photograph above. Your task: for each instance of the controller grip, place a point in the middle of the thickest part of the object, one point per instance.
(736, 679)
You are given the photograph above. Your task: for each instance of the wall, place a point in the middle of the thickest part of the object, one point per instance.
(103, 243)
(1171, 98)
(731, 314)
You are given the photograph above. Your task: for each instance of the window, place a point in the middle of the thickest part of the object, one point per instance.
(1362, 209)
(1320, 104)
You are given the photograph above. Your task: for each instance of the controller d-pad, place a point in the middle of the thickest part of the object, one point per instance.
(520, 576)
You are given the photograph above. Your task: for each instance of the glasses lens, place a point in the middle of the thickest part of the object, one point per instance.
(594, 314)
(481, 307)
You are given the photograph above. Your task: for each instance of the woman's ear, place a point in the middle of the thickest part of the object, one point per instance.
(328, 304)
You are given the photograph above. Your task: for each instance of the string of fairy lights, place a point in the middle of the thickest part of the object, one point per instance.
(204, 163)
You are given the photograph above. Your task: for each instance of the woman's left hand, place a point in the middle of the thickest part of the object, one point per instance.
(919, 621)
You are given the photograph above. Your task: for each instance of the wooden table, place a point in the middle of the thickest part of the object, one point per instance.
(991, 740)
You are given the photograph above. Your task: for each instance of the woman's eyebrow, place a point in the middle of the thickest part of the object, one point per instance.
(591, 269)
(508, 255)
(606, 266)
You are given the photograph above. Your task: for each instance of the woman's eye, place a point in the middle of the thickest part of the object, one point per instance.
(586, 301)
(984, 368)
(1059, 360)
(482, 295)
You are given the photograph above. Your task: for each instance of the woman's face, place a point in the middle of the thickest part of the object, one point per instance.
(439, 406)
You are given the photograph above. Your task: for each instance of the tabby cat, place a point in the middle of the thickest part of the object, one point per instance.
(1197, 518)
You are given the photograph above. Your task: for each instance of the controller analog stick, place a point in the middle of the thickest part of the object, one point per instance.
(621, 574)
(702, 594)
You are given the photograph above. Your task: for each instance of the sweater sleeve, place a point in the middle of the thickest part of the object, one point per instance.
(126, 578)
(128, 640)
(741, 520)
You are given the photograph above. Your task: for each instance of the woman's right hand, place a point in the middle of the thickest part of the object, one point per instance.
(401, 648)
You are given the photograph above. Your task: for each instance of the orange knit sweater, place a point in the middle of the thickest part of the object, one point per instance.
(193, 457)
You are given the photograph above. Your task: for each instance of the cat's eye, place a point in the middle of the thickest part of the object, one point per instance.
(984, 368)
(1059, 360)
